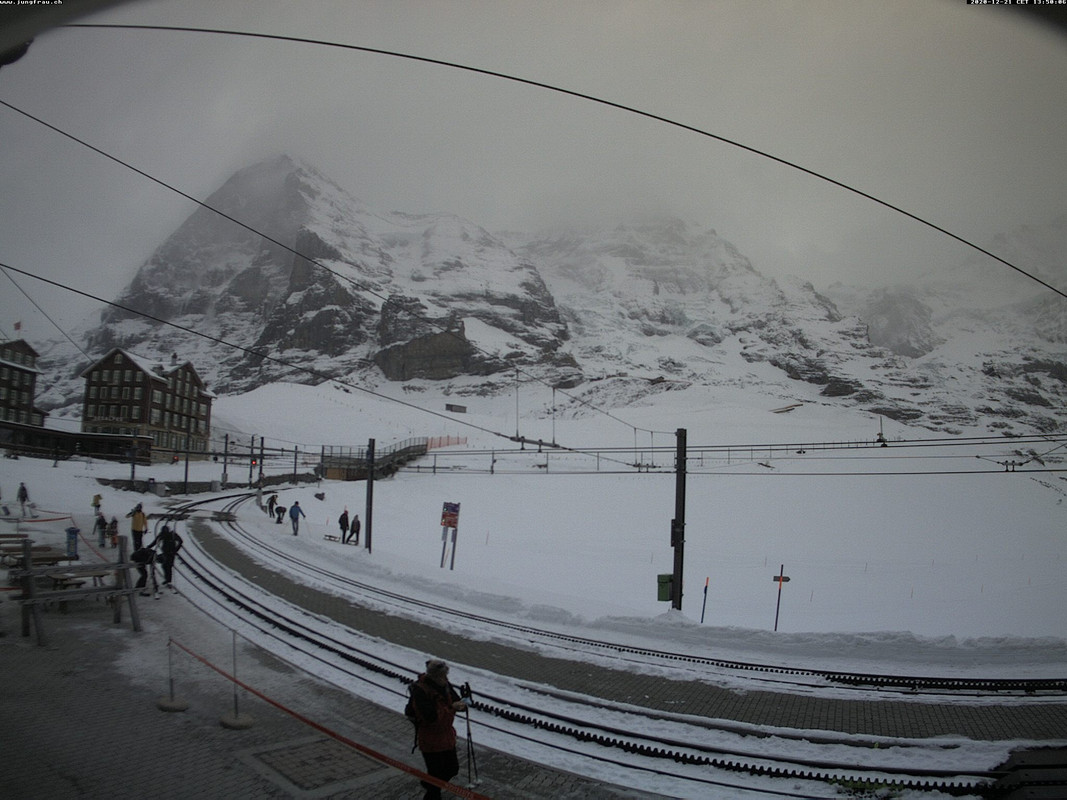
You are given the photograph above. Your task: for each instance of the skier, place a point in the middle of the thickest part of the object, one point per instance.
(342, 522)
(295, 513)
(170, 543)
(434, 704)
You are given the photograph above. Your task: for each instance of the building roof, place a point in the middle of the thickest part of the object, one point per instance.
(152, 368)
(26, 345)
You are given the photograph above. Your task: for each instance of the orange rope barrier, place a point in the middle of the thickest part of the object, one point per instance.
(459, 791)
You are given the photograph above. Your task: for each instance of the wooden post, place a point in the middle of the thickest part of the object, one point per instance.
(124, 583)
(29, 592)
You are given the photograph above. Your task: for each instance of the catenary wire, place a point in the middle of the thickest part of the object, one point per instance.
(593, 99)
(346, 278)
(386, 300)
(300, 367)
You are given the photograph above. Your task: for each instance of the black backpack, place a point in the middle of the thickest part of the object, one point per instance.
(144, 555)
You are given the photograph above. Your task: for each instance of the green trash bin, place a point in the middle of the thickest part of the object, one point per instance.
(666, 583)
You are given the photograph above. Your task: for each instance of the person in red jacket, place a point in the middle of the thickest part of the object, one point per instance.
(435, 705)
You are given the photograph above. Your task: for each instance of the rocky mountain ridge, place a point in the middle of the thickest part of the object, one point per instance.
(343, 290)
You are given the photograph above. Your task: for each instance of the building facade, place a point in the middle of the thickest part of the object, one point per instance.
(18, 384)
(130, 396)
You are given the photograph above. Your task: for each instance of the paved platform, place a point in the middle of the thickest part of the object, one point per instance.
(82, 717)
(77, 725)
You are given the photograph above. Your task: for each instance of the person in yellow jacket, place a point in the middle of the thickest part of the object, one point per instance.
(138, 525)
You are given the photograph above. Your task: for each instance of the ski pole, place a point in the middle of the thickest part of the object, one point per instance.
(470, 753)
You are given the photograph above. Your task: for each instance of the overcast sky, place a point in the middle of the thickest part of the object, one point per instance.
(954, 112)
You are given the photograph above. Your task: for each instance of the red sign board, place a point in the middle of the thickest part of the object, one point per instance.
(450, 515)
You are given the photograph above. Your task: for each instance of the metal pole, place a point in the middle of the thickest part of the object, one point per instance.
(236, 713)
(678, 524)
(781, 580)
(185, 490)
(225, 459)
(251, 459)
(261, 454)
(369, 514)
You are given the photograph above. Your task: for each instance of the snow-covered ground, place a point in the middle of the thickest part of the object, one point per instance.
(890, 568)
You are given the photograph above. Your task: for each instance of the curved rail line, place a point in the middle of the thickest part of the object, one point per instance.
(313, 640)
(955, 686)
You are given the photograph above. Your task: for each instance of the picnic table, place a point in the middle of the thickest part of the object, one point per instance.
(41, 555)
(68, 583)
(72, 580)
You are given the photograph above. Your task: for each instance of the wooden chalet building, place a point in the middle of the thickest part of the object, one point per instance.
(130, 396)
(18, 384)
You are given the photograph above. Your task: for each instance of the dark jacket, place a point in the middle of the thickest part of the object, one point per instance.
(169, 541)
(434, 715)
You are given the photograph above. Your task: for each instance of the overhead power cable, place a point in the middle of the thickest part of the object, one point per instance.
(592, 99)
(443, 328)
(43, 312)
(290, 365)
(250, 351)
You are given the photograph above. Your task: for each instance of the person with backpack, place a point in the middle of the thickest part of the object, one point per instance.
(432, 706)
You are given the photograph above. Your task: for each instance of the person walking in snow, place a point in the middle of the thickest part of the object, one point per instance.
(169, 544)
(354, 537)
(272, 501)
(23, 496)
(113, 532)
(138, 525)
(100, 527)
(97, 500)
(295, 513)
(435, 704)
(342, 523)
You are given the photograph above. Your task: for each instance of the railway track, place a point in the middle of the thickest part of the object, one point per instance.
(625, 738)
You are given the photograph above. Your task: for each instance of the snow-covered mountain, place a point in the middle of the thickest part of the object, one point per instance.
(343, 290)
